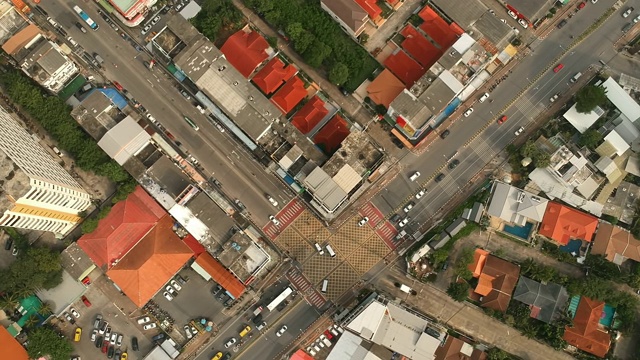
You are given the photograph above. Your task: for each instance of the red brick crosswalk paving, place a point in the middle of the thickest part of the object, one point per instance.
(286, 216)
(306, 288)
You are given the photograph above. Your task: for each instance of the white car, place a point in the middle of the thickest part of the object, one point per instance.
(104, 328)
(275, 221)
(421, 193)
(594, 1)
(519, 131)
(554, 98)
(151, 118)
(512, 14)
(319, 248)
(281, 331)
(144, 320)
(230, 342)
(627, 12)
(414, 176)
(310, 351)
(187, 331)
(171, 291)
(176, 285)
(119, 341)
(404, 221)
(408, 207)
(149, 326)
(272, 200)
(194, 330)
(363, 221)
(145, 30)
(94, 333)
(107, 334)
(167, 296)
(468, 112)
(523, 23)
(636, 19)
(155, 20)
(484, 97)
(503, 21)
(113, 338)
(74, 312)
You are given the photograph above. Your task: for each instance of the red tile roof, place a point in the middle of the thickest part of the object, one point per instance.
(310, 115)
(586, 333)
(371, 7)
(289, 95)
(245, 51)
(385, 88)
(126, 224)
(151, 263)
(194, 245)
(562, 223)
(221, 275)
(419, 47)
(301, 355)
(273, 75)
(443, 33)
(10, 348)
(456, 349)
(404, 67)
(332, 134)
(497, 280)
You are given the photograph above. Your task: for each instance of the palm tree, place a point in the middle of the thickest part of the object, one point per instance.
(9, 301)
(45, 309)
(32, 321)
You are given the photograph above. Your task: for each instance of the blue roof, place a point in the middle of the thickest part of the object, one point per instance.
(115, 96)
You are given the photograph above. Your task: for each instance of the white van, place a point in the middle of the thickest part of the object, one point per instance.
(576, 77)
(325, 285)
(330, 250)
(319, 248)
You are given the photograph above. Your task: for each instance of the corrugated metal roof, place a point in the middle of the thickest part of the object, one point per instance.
(124, 140)
(347, 178)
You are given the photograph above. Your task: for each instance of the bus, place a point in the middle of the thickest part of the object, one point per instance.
(85, 17)
(278, 300)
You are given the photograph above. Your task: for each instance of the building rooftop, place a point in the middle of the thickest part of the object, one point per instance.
(496, 279)
(173, 181)
(458, 349)
(324, 190)
(310, 115)
(273, 75)
(515, 205)
(494, 30)
(408, 108)
(11, 21)
(219, 274)
(532, 10)
(404, 67)
(546, 300)
(419, 47)
(11, 348)
(289, 95)
(124, 140)
(16, 42)
(437, 96)
(586, 333)
(443, 33)
(76, 262)
(218, 222)
(582, 122)
(465, 13)
(371, 7)
(245, 50)
(352, 14)
(384, 89)
(615, 244)
(562, 223)
(332, 134)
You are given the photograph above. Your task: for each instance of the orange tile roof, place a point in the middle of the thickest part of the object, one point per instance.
(151, 263)
(385, 88)
(404, 67)
(221, 275)
(332, 134)
(438, 29)
(126, 224)
(273, 75)
(10, 348)
(497, 280)
(372, 9)
(586, 333)
(289, 95)
(245, 51)
(310, 115)
(452, 350)
(562, 223)
(615, 243)
(479, 258)
(419, 47)
(20, 39)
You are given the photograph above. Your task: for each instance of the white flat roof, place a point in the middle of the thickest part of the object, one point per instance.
(580, 121)
(623, 101)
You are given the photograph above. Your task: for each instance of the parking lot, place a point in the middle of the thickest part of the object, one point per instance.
(194, 301)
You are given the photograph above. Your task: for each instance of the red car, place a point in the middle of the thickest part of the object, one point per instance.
(502, 119)
(105, 347)
(328, 334)
(86, 281)
(558, 68)
(118, 86)
(86, 301)
(581, 5)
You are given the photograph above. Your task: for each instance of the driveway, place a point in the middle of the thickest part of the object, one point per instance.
(379, 38)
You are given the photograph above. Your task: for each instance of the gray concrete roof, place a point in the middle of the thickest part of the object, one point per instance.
(218, 222)
(167, 174)
(437, 96)
(495, 30)
(532, 9)
(463, 12)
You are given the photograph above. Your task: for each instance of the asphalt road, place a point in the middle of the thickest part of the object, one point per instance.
(219, 154)
(598, 46)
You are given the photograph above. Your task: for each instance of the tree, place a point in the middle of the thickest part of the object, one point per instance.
(339, 73)
(317, 53)
(90, 224)
(461, 267)
(603, 268)
(529, 149)
(541, 159)
(589, 97)
(35, 268)
(31, 321)
(590, 138)
(45, 341)
(439, 256)
(497, 354)
(8, 301)
(458, 291)
(46, 309)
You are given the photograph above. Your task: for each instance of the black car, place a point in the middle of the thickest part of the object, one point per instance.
(111, 352)
(118, 354)
(8, 243)
(257, 319)
(99, 341)
(158, 338)
(562, 23)
(395, 218)
(454, 163)
(444, 134)
(439, 177)
(134, 343)
(79, 26)
(226, 356)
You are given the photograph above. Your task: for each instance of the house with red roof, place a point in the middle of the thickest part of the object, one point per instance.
(497, 278)
(245, 50)
(586, 333)
(421, 49)
(562, 223)
(152, 262)
(289, 95)
(206, 263)
(273, 75)
(385, 88)
(10, 348)
(332, 134)
(127, 222)
(404, 67)
(438, 29)
(373, 10)
(310, 115)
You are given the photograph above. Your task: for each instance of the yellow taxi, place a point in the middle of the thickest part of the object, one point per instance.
(245, 331)
(78, 334)
(217, 356)
(123, 356)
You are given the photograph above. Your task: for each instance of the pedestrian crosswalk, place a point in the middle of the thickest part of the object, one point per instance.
(387, 233)
(306, 288)
(286, 216)
(371, 211)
